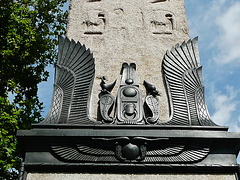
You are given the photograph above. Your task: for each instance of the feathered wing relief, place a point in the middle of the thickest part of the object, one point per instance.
(178, 154)
(56, 106)
(83, 153)
(183, 77)
(74, 76)
(134, 150)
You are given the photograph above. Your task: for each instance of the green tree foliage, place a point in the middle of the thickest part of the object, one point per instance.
(28, 39)
(8, 124)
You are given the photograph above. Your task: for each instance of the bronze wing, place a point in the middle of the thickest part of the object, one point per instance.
(74, 75)
(183, 77)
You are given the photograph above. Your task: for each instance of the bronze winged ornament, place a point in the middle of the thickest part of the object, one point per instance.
(128, 135)
(183, 77)
(74, 75)
(135, 150)
(73, 81)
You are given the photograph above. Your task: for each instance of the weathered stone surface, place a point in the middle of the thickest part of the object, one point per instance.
(34, 176)
(128, 31)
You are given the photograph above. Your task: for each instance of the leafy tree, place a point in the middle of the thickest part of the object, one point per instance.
(28, 39)
(8, 124)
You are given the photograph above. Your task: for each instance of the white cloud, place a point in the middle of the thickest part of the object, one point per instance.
(217, 22)
(228, 39)
(234, 126)
(224, 105)
(202, 20)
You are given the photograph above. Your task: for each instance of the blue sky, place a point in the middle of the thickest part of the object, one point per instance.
(217, 24)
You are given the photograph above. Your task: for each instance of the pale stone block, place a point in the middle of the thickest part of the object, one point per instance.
(118, 31)
(52, 176)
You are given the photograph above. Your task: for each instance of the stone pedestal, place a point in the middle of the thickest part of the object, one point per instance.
(129, 31)
(92, 152)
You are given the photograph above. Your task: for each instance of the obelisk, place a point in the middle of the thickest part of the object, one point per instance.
(132, 31)
(185, 144)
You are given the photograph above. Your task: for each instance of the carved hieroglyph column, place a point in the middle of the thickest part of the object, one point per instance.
(118, 31)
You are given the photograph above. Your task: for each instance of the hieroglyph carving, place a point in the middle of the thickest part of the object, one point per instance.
(95, 22)
(157, 21)
(160, 21)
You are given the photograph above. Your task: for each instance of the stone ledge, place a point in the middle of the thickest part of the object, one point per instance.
(52, 176)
